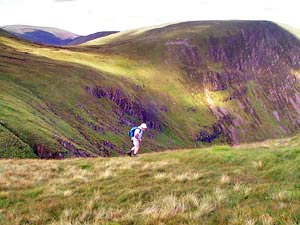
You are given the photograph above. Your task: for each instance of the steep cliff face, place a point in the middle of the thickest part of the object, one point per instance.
(253, 71)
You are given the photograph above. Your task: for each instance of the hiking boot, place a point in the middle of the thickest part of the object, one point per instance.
(135, 155)
(129, 153)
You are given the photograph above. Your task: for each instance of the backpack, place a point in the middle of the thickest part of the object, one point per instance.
(131, 131)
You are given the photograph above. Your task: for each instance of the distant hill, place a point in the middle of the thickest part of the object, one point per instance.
(83, 39)
(52, 36)
(42, 35)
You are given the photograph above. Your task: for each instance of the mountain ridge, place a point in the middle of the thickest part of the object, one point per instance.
(194, 83)
(83, 39)
(51, 35)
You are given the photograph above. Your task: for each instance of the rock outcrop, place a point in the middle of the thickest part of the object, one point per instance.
(253, 63)
(132, 106)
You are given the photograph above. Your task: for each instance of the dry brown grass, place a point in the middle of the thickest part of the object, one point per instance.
(267, 219)
(187, 176)
(225, 179)
(159, 164)
(165, 208)
(282, 195)
(188, 205)
(258, 165)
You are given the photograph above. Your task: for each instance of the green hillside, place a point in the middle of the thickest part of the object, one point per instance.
(193, 83)
(250, 184)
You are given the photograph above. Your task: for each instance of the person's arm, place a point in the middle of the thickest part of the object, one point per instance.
(136, 136)
(137, 133)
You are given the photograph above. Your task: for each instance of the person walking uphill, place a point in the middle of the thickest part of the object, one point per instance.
(136, 134)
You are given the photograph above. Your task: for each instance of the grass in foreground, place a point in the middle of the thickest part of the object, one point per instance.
(218, 185)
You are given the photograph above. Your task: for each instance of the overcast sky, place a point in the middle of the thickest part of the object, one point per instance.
(89, 16)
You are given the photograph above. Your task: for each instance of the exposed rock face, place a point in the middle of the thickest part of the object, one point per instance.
(211, 134)
(132, 107)
(108, 149)
(255, 47)
(73, 151)
(256, 65)
(44, 153)
(187, 53)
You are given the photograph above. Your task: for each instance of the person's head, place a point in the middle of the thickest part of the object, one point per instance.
(143, 126)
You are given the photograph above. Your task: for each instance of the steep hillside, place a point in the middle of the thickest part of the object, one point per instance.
(83, 39)
(48, 107)
(194, 83)
(247, 72)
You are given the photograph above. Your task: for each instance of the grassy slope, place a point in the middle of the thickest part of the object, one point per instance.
(48, 66)
(41, 98)
(44, 88)
(251, 184)
(26, 97)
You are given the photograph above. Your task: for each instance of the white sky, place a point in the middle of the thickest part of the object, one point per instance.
(89, 16)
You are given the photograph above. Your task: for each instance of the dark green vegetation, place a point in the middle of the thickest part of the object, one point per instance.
(252, 184)
(194, 83)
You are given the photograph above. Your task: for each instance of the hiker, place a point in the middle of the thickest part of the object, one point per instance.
(135, 134)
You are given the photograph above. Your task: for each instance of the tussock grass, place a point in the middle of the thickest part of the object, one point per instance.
(258, 165)
(171, 205)
(282, 195)
(225, 179)
(266, 219)
(159, 164)
(188, 176)
(165, 208)
(174, 187)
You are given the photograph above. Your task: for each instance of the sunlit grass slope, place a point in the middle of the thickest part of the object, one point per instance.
(251, 184)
